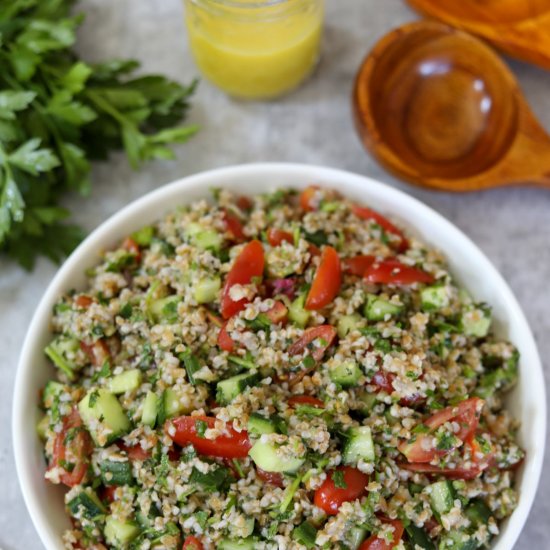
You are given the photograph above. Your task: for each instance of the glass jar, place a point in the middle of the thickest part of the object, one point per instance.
(255, 49)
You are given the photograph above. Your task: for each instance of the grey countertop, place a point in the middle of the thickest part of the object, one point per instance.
(312, 125)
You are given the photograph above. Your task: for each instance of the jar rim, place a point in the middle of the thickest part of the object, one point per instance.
(243, 4)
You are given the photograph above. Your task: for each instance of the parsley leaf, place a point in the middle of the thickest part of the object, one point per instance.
(338, 479)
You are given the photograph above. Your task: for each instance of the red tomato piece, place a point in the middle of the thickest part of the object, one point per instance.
(230, 444)
(72, 445)
(225, 342)
(307, 197)
(305, 400)
(285, 287)
(369, 214)
(248, 265)
(98, 352)
(449, 473)
(357, 265)
(326, 282)
(244, 203)
(396, 273)
(329, 497)
(233, 225)
(108, 493)
(131, 246)
(134, 452)
(275, 237)
(83, 301)
(325, 332)
(192, 543)
(466, 414)
(278, 313)
(377, 543)
(273, 478)
(313, 250)
(384, 381)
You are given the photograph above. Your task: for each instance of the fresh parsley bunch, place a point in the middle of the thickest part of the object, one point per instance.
(57, 113)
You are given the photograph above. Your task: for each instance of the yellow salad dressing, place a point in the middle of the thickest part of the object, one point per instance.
(254, 51)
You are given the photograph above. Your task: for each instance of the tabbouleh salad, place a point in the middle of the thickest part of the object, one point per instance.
(284, 371)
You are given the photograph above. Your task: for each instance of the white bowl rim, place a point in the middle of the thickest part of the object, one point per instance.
(377, 191)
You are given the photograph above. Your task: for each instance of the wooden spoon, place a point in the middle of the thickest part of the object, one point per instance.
(518, 27)
(440, 109)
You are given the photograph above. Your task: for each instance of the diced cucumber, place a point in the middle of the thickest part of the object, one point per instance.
(52, 389)
(237, 544)
(377, 309)
(346, 374)
(434, 297)
(242, 532)
(227, 390)
(116, 473)
(207, 289)
(419, 538)
(359, 445)
(149, 412)
(366, 402)
(458, 540)
(144, 236)
(442, 496)
(42, 427)
(476, 321)
(266, 456)
(120, 533)
(347, 323)
(205, 239)
(305, 534)
(258, 425)
(165, 310)
(478, 512)
(129, 380)
(86, 504)
(354, 537)
(297, 312)
(104, 416)
(61, 351)
(172, 404)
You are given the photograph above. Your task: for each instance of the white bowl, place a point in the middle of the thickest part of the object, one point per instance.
(469, 265)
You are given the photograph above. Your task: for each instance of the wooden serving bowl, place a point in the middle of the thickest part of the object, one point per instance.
(520, 28)
(440, 109)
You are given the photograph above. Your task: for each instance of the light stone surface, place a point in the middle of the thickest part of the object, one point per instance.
(312, 125)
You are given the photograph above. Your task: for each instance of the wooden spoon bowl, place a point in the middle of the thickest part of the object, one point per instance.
(439, 108)
(521, 28)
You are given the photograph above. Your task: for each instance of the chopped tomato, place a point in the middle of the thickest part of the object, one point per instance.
(450, 473)
(307, 198)
(98, 352)
(327, 280)
(305, 400)
(230, 444)
(134, 452)
(325, 333)
(273, 478)
(374, 542)
(248, 265)
(71, 450)
(83, 301)
(369, 214)
(192, 543)
(313, 250)
(244, 203)
(233, 225)
(357, 265)
(131, 246)
(278, 313)
(276, 237)
(384, 381)
(422, 448)
(224, 340)
(330, 495)
(108, 493)
(394, 272)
